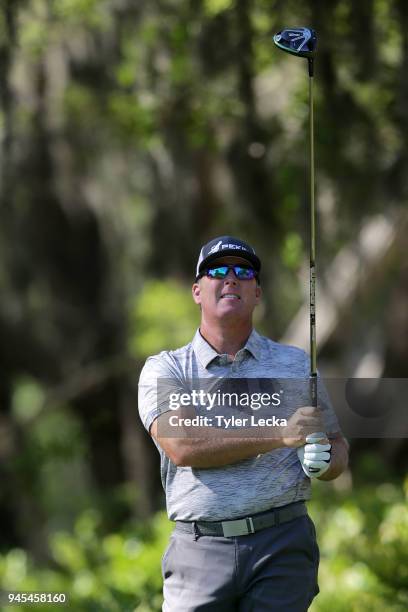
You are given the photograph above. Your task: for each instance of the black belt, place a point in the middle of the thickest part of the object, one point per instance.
(244, 526)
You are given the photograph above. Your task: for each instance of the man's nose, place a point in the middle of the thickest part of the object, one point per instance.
(231, 276)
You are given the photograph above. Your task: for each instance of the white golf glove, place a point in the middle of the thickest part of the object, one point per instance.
(314, 456)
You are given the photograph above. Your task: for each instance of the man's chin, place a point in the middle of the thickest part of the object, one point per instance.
(228, 305)
(231, 309)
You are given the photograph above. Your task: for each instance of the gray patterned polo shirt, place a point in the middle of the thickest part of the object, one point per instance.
(253, 485)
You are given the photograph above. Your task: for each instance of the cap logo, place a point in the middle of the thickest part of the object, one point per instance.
(238, 247)
(220, 247)
(215, 248)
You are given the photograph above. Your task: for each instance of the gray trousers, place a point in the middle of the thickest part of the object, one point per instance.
(272, 570)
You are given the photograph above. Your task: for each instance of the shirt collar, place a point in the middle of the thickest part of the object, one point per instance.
(254, 345)
(206, 353)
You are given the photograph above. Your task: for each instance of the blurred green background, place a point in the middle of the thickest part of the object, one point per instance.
(130, 134)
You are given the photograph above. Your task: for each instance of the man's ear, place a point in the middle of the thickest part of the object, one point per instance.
(196, 291)
(258, 294)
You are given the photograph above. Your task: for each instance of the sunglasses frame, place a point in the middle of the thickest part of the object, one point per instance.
(230, 267)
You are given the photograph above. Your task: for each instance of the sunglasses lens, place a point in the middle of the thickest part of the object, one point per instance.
(219, 272)
(244, 273)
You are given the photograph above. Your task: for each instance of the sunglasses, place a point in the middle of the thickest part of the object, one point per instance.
(241, 272)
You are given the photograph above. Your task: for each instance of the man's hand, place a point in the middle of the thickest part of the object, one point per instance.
(315, 455)
(303, 422)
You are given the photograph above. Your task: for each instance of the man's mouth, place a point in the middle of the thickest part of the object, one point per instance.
(230, 296)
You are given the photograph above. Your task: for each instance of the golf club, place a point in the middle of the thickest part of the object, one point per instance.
(303, 42)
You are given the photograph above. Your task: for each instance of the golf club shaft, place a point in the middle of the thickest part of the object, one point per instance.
(313, 359)
(318, 436)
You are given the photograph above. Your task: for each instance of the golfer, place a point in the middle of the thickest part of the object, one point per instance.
(243, 540)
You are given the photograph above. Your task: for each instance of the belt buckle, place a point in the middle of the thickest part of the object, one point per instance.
(238, 527)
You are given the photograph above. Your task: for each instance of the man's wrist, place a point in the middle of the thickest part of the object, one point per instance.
(339, 459)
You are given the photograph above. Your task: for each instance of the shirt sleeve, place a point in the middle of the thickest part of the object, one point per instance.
(158, 383)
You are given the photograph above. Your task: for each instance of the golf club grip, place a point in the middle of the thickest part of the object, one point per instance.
(313, 389)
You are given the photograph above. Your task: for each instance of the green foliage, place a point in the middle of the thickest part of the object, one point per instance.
(28, 398)
(163, 316)
(133, 118)
(363, 539)
(292, 250)
(213, 7)
(53, 458)
(92, 13)
(35, 35)
(115, 572)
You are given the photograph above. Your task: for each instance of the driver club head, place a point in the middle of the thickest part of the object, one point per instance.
(297, 41)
